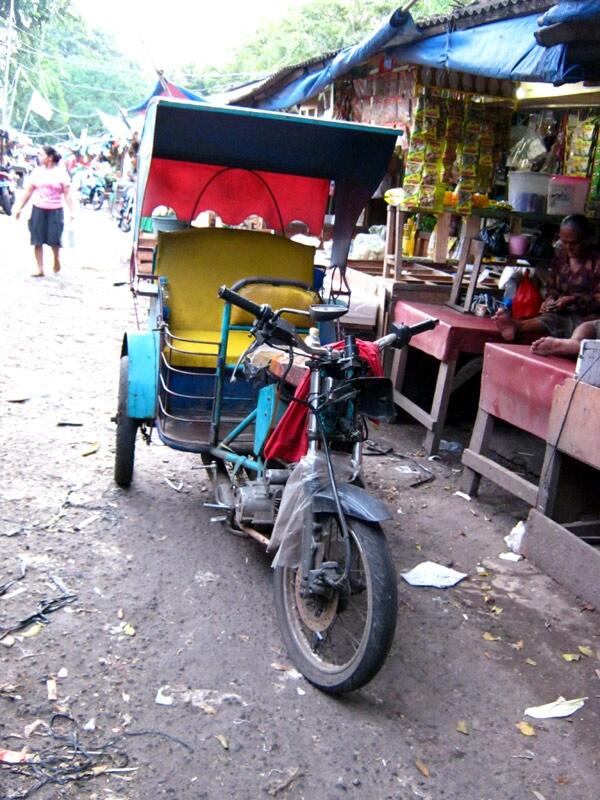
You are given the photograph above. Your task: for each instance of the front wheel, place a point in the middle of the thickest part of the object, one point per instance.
(125, 221)
(97, 199)
(340, 642)
(126, 431)
(6, 201)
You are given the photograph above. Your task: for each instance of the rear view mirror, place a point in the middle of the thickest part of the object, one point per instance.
(326, 312)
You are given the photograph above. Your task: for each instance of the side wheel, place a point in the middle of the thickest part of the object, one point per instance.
(97, 199)
(125, 222)
(6, 202)
(341, 641)
(126, 431)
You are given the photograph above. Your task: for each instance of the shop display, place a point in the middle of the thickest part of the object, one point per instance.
(455, 145)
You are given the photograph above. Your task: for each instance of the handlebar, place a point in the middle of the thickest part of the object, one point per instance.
(242, 302)
(402, 334)
(285, 333)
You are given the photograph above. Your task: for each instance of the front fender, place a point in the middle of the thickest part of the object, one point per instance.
(142, 350)
(356, 502)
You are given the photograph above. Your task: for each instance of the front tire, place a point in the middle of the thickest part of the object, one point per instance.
(126, 432)
(340, 644)
(97, 199)
(125, 221)
(6, 201)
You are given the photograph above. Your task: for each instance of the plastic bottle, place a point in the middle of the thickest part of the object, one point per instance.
(510, 287)
(164, 295)
(313, 339)
(408, 238)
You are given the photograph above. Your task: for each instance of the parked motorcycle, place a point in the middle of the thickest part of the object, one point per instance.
(7, 190)
(95, 189)
(124, 211)
(334, 581)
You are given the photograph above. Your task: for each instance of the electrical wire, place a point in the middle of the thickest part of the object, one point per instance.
(64, 82)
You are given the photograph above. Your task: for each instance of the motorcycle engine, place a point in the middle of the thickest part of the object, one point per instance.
(256, 504)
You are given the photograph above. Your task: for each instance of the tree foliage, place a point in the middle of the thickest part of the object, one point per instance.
(75, 68)
(78, 69)
(315, 28)
(33, 14)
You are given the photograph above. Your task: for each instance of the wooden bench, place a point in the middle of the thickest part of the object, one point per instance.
(517, 387)
(567, 518)
(574, 432)
(456, 333)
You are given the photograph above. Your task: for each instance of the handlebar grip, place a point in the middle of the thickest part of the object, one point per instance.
(402, 334)
(240, 301)
(426, 325)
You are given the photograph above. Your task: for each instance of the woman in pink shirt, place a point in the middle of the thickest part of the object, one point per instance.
(48, 185)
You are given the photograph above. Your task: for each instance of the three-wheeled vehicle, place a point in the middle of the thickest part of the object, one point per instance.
(225, 368)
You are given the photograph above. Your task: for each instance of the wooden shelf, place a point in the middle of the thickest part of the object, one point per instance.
(487, 213)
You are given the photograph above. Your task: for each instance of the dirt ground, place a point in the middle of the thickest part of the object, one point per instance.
(157, 602)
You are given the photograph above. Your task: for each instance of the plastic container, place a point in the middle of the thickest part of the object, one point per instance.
(567, 195)
(528, 191)
(167, 224)
(313, 339)
(518, 244)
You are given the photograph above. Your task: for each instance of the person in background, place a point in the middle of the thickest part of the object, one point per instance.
(573, 292)
(567, 348)
(48, 186)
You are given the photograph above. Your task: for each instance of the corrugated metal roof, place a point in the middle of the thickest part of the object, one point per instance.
(478, 13)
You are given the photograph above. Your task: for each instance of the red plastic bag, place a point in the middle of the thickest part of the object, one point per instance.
(527, 299)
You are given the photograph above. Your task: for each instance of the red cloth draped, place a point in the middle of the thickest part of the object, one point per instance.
(289, 440)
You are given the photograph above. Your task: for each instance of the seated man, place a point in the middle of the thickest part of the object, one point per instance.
(568, 348)
(573, 294)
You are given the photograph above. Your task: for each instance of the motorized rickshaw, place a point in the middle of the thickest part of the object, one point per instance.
(224, 368)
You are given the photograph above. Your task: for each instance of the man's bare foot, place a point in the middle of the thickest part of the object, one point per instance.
(38, 275)
(506, 325)
(551, 346)
(56, 267)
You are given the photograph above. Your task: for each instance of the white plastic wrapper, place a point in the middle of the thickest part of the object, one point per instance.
(527, 152)
(366, 296)
(367, 247)
(308, 476)
(514, 539)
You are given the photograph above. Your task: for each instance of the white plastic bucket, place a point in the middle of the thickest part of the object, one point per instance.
(528, 191)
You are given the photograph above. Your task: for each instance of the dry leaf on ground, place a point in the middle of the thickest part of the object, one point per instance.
(423, 768)
(526, 728)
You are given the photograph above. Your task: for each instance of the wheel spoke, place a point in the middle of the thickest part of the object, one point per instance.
(345, 630)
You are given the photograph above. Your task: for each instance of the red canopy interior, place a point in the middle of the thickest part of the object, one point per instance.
(234, 194)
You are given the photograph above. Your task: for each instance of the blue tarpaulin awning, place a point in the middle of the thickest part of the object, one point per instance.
(504, 48)
(397, 29)
(164, 88)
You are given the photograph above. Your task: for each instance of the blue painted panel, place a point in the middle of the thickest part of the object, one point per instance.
(267, 397)
(142, 349)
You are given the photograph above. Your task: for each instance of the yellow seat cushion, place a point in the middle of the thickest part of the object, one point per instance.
(197, 261)
(276, 297)
(200, 354)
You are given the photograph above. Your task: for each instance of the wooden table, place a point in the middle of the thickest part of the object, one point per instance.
(517, 387)
(456, 333)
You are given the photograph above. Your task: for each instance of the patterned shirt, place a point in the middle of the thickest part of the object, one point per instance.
(579, 277)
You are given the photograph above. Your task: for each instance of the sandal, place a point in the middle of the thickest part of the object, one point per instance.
(38, 274)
